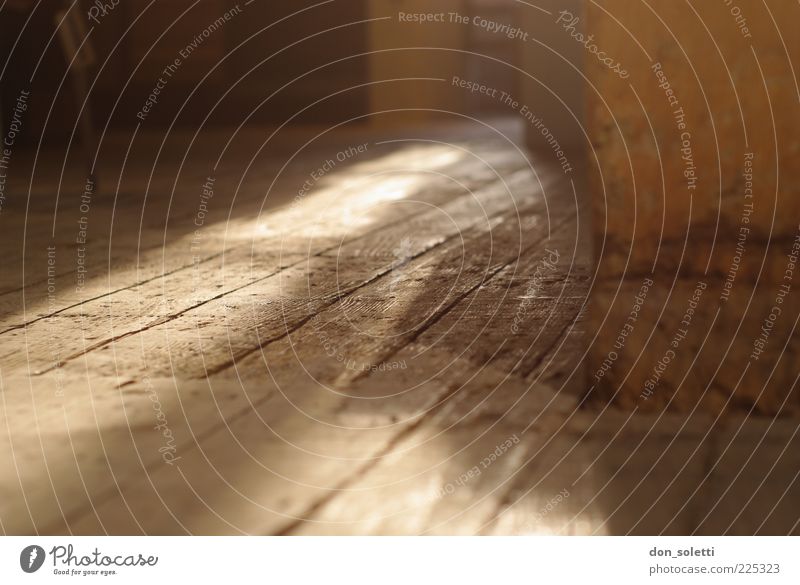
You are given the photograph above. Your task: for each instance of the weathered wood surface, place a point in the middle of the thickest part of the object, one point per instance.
(340, 364)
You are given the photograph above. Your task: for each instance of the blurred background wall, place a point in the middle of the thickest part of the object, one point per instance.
(697, 190)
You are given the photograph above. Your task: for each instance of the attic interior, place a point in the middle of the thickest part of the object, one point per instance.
(398, 267)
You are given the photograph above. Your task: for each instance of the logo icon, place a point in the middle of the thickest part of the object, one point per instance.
(31, 558)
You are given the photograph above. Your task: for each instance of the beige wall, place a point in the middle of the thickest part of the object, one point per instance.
(553, 64)
(439, 58)
(672, 202)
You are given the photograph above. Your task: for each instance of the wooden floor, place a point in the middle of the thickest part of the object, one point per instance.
(395, 348)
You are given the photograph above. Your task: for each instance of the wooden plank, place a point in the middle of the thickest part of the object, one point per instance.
(752, 481)
(200, 469)
(264, 450)
(238, 321)
(240, 263)
(488, 415)
(431, 475)
(332, 194)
